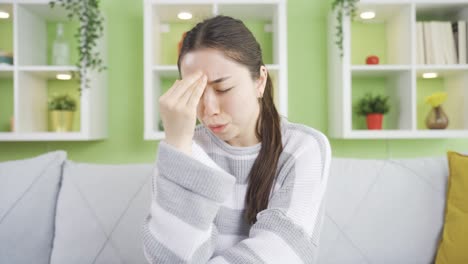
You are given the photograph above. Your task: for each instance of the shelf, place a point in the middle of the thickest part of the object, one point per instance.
(48, 72)
(26, 87)
(406, 134)
(391, 35)
(442, 70)
(46, 136)
(378, 70)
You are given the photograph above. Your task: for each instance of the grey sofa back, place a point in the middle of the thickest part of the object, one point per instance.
(377, 211)
(384, 211)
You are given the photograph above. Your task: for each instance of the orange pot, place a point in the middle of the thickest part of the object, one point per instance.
(374, 121)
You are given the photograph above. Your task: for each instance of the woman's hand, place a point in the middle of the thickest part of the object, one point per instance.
(178, 110)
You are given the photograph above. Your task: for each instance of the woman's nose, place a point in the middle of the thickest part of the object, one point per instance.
(210, 103)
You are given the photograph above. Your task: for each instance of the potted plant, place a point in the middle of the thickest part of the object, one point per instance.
(373, 108)
(61, 110)
(90, 30)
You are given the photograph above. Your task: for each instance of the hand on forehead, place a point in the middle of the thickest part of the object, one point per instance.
(211, 62)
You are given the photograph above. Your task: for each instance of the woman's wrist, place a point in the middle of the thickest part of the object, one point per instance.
(184, 146)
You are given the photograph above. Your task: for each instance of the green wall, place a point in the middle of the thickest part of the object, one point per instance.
(307, 77)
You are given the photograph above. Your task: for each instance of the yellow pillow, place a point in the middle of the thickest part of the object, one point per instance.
(453, 247)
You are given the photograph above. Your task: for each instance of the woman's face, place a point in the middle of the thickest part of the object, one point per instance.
(229, 106)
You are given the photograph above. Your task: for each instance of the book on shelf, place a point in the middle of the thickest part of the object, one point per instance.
(459, 34)
(441, 42)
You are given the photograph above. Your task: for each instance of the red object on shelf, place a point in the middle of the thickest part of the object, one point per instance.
(374, 121)
(372, 59)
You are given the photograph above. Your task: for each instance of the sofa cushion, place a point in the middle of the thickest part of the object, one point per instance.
(28, 193)
(383, 211)
(100, 211)
(452, 248)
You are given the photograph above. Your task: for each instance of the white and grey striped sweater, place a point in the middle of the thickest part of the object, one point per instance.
(198, 202)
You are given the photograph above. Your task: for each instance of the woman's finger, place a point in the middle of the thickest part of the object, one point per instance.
(185, 84)
(188, 94)
(197, 93)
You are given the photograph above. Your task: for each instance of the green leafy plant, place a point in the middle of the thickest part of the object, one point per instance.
(90, 30)
(62, 102)
(371, 104)
(340, 7)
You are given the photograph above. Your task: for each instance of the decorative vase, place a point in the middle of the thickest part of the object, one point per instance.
(374, 121)
(436, 118)
(61, 121)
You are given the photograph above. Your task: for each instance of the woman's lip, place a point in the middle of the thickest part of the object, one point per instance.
(217, 128)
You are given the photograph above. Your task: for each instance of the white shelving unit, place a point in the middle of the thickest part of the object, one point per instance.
(160, 48)
(392, 36)
(31, 74)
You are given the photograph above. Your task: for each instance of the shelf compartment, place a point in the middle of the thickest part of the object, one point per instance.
(37, 24)
(35, 87)
(168, 29)
(6, 101)
(393, 83)
(451, 81)
(387, 36)
(432, 15)
(6, 32)
(261, 20)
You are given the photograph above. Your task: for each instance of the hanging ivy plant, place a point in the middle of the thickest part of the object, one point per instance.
(340, 7)
(87, 35)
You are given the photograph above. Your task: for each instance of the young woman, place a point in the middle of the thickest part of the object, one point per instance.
(244, 186)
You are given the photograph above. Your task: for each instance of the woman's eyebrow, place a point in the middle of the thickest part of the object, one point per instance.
(219, 80)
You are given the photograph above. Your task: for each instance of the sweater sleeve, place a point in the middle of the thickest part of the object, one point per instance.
(288, 230)
(187, 194)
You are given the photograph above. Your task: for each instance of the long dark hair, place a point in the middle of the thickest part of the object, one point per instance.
(235, 40)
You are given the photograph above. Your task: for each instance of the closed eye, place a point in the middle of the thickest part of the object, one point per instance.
(225, 90)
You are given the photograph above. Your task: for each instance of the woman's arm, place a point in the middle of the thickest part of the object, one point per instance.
(187, 194)
(288, 230)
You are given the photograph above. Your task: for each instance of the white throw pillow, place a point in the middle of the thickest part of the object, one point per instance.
(100, 211)
(28, 195)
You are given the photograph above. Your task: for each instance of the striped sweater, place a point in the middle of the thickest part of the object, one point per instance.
(197, 207)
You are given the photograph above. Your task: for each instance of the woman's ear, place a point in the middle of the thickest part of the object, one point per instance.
(261, 81)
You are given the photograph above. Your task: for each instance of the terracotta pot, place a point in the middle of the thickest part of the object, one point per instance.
(374, 121)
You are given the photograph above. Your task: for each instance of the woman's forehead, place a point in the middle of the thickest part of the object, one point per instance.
(212, 62)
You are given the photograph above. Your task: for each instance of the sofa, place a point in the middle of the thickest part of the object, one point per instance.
(54, 210)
